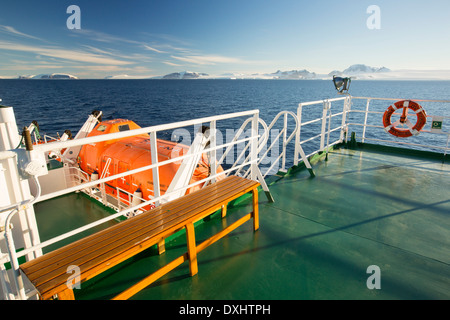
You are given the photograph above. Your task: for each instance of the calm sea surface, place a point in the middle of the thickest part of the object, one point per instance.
(58, 105)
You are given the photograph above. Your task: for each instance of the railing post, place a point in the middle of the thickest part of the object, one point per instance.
(155, 171)
(365, 121)
(254, 146)
(324, 124)
(298, 147)
(5, 283)
(213, 153)
(446, 148)
(297, 134)
(283, 160)
(329, 128)
(18, 280)
(345, 110)
(15, 194)
(255, 173)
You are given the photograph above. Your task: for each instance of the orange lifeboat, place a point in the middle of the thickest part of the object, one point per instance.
(121, 155)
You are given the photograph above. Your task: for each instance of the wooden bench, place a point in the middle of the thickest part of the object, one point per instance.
(105, 249)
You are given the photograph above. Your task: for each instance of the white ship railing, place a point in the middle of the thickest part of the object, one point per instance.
(325, 123)
(331, 127)
(274, 134)
(364, 106)
(252, 162)
(279, 137)
(368, 120)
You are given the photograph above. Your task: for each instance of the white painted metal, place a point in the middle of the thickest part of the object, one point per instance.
(252, 145)
(213, 154)
(285, 124)
(262, 141)
(57, 152)
(155, 170)
(134, 171)
(252, 140)
(9, 135)
(367, 112)
(119, 135)
(344, 126)
(326, 106)
(366, 115)
(329, 126)
(71, 153)
(184, 174)
(15, 211)
(275, 141)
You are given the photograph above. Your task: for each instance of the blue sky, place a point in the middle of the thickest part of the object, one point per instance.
(151, 38)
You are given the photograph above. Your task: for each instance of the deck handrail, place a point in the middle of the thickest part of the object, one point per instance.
(368, 111)
(347, 109)
(251, 141)
(331, 109)
(326, 130)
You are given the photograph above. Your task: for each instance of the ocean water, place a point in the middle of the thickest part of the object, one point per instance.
(58, 105)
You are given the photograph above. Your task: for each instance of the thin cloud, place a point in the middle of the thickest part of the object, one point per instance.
(171, 64)
(13, 31)
(153, 49)
(65, 54)
(207, 59)
(101, 36)
(116, 54)
(108, 38)
(167, 38)
(163, 45)
(27, 67)
(115, 72)
(102, 68)
(97, 50)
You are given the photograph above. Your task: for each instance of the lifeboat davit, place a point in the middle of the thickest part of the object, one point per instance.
(121, 155)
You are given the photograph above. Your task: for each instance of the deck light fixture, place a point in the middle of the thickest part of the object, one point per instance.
(341, 84)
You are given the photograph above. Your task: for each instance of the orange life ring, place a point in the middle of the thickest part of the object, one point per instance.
(410, 130)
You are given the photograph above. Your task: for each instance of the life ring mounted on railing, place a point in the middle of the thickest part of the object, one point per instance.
(397, 128)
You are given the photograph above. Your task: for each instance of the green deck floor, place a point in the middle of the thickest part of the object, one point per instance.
(318, 238)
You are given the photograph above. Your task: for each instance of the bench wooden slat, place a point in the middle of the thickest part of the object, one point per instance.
(86, 242)
(116, 233)
(135, 245)
(192, 247)
(98, 252)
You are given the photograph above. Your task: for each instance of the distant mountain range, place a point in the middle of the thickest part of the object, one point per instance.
(185, 75)
(294, 74)
(356, 71)
(58, 76)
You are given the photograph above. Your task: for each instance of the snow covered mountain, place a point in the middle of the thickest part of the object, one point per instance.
(64, 76)
(294, 74)
(185, 75)
(124, 77)
(359, 70)
(356, 71)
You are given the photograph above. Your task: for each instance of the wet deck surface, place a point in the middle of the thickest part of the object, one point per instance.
(318, 238)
